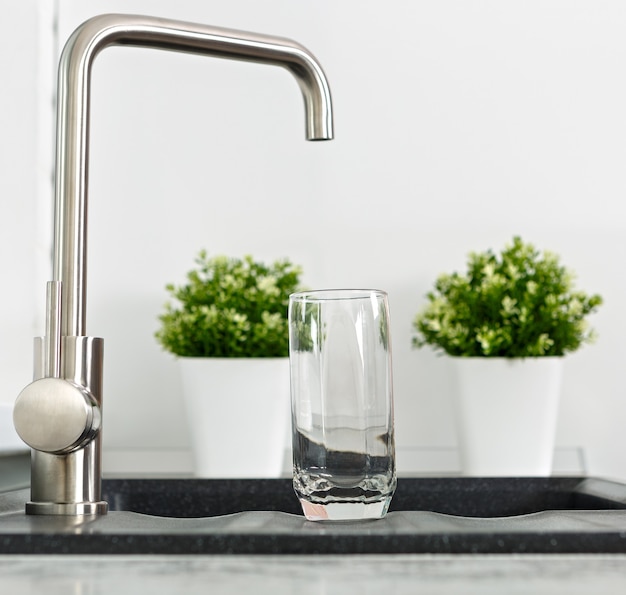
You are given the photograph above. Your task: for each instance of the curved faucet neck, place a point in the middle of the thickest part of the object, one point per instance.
(70, 245)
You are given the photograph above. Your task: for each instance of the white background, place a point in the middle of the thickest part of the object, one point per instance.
(458, 124)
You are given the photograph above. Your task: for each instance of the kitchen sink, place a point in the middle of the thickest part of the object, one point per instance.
(427, 515)
(467, 497)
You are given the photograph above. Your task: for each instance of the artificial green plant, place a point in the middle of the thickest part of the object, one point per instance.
(520, 303)
(230, 307)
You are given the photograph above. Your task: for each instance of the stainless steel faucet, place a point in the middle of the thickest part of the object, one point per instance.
(59, 414)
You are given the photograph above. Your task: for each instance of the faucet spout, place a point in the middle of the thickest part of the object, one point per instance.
(59, 414)
(73, 117)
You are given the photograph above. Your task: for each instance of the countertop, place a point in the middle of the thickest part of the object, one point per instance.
(395, 574)
(314, 575)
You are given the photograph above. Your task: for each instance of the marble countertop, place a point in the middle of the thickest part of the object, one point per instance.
(314, 575)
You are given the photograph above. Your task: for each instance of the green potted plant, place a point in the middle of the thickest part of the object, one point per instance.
(507, 322)
(227, 327)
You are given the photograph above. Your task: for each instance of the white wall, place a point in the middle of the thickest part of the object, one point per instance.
(458, 124)
(26, 134)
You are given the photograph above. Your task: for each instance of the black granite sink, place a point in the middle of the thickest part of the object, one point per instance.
(446, 515)
(467, 497)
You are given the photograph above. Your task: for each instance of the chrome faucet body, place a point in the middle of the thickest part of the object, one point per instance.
(59, 414)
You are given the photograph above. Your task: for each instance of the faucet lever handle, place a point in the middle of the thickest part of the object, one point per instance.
(56, 415)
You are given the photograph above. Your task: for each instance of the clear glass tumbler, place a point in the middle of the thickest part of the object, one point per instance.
(342, 403)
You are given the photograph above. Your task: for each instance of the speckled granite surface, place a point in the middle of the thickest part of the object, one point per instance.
(553, 515)
(459, 496)
(282, 533)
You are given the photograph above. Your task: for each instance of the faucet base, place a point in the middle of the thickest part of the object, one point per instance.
(67, 485)
(67, 509)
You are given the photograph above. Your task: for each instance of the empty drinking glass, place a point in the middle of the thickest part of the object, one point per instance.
(342, 403)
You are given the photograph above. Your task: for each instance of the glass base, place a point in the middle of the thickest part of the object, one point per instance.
(345, 511)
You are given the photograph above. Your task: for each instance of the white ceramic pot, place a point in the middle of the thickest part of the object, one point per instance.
(506, 412)
(239, 415)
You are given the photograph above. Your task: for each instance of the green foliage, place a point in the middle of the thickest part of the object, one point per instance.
(230, 308)
(521, 304)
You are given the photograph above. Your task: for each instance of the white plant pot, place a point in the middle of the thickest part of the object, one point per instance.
(506, 412)
(239, 415)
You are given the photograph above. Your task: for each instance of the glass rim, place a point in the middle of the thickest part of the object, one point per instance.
(325, 295)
